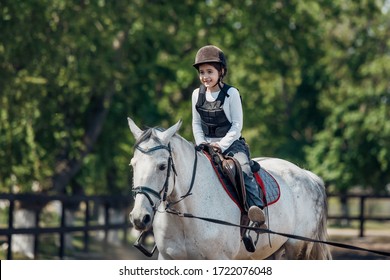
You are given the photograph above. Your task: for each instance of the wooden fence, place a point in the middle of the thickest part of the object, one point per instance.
(361, 216)
(40, 200)
(113, 202)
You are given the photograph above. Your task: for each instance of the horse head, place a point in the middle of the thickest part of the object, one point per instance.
(153, 172)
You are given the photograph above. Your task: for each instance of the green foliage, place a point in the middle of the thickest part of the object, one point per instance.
(313, 75)
(353, 149)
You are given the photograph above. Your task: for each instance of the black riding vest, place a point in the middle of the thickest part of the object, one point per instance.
(214, 122)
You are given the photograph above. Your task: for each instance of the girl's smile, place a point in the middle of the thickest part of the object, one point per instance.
(209, 77)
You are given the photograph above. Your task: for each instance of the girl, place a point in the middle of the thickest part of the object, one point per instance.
(217, 119)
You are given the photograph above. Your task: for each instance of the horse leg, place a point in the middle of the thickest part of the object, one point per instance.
(299, 250)
(280, 254)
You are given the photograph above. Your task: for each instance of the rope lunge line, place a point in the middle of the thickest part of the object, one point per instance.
(335, 244)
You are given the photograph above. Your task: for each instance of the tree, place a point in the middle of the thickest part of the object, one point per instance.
(60, 78)
(70, 79)
(353, 149)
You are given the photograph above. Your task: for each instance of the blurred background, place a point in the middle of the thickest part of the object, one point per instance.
(314, 77)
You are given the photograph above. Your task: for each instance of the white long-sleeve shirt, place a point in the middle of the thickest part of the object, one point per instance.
(233, 111)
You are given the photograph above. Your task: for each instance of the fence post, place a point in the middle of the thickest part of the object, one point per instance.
(86, 232)
(106, 222)
(361, 215)
(62, 234)
(36, 235)
(126, 228)
(10, 226)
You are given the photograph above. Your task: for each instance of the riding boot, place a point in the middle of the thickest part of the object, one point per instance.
(256, 215)
(255, 211)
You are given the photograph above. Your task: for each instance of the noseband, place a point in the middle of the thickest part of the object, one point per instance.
(147, 191)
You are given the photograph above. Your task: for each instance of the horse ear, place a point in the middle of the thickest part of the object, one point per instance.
(165, 136)
(137, 132)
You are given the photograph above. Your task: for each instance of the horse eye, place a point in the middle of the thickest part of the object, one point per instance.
(162, 167)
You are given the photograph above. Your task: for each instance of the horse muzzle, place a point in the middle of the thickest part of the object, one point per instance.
(141, 223)
(142, 214)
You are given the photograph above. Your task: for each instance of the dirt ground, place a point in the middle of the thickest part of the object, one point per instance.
(374, 240)
(378, 240)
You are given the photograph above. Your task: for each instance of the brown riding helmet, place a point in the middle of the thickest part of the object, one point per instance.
(210, 53)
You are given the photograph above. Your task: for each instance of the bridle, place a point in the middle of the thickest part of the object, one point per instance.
(148, 192)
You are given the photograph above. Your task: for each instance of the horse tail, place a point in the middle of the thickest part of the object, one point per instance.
(320, 251)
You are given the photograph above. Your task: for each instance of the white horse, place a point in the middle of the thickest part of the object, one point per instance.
(170, 173)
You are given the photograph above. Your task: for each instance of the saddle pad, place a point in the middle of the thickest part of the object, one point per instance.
(269, 186)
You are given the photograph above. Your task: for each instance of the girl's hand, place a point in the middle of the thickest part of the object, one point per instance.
(216, 147)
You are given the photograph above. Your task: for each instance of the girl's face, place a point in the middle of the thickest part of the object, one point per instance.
(209, 76)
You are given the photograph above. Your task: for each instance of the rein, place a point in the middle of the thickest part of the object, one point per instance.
(260, 230)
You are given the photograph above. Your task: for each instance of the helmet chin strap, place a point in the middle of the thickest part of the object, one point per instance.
(219, 82)
(221, 87)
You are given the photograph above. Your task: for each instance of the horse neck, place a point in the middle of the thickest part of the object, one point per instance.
(184, 159)
(206, 182)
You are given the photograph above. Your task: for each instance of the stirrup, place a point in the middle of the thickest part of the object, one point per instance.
(248, 243)
(260, 227)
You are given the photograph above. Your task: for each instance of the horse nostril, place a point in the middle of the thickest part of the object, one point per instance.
(146, 219)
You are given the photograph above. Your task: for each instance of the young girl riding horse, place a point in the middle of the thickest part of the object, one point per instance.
(217, 120)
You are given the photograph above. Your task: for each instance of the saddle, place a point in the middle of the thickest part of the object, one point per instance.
(231, 176)
(231, 168)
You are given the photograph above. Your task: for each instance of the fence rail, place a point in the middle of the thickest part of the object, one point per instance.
(361, 217)
(38, 201)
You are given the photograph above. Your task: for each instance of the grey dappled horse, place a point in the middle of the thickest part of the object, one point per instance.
(168, 170)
